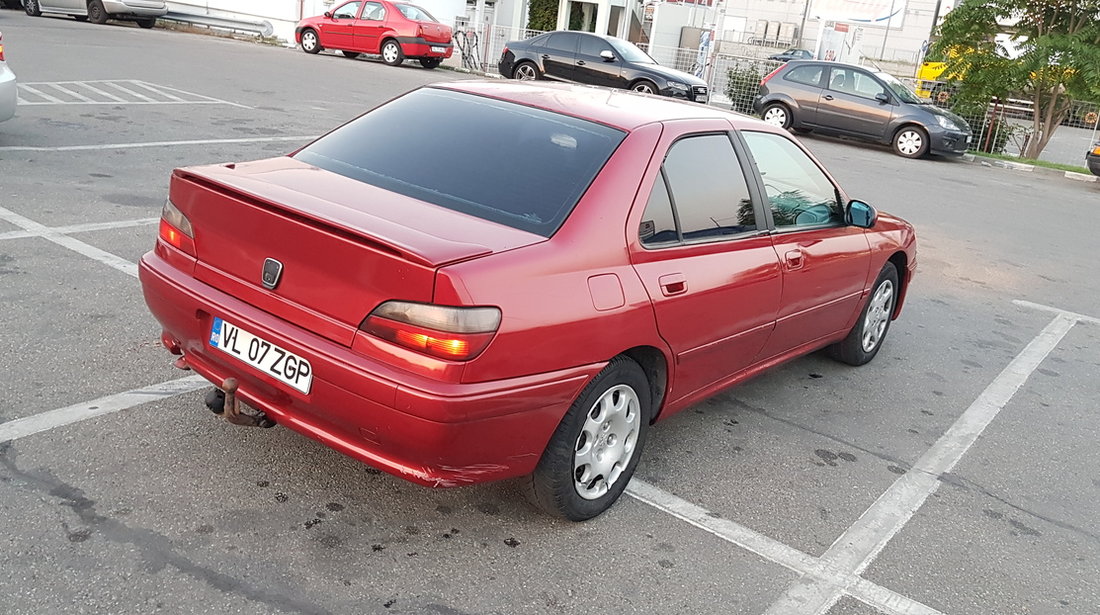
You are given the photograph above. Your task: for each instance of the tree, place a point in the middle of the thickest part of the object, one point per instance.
(1047, 51)
(542, 14)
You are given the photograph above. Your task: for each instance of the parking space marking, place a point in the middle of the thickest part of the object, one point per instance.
(1054, 310)
(98, 92)
(21, 428)
(49, 234)
(141, 144)
(858, 547)
(82, 228)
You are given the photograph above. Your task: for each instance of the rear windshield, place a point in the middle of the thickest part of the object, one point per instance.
(514, 165)
(415, 13)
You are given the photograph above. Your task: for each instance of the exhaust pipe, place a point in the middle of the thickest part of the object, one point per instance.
(223, 401)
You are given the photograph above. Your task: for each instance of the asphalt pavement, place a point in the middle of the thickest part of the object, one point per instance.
(956, 473)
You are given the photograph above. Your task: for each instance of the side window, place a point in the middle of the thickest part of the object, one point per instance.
(374, 11)
(855, 82)
(348, 11)
(563, 42)
(799, 193)
(808, 75)
(700, 195)
(592, 46)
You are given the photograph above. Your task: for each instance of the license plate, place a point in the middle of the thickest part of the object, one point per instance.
(261, 354)
(439, 50)
(967, 141)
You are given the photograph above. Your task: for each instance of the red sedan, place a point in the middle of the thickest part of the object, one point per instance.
(593, 262)
(396, 30)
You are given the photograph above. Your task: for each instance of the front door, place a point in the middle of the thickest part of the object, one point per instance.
(337, 32)
(592, 68)
(711, 274)
(848, 103)
(824, 261)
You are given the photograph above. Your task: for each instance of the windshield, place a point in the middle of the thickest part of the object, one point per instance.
(899, 89)
(415, 13)
(518, 166)
(629, 53)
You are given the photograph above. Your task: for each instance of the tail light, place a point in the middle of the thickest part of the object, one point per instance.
(505, 52)
(454, 333)
(176, 229)
(771, 74)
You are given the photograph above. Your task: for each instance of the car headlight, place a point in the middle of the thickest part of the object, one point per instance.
(947, 123)
(679, 87)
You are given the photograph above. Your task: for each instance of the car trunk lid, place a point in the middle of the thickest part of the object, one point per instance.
(435, 32)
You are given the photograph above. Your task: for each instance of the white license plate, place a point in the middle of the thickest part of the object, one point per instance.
(262, 354)
(439, 50)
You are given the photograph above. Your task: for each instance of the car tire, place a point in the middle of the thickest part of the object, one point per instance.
(146, 23)
(392, 53)
(96, 13)
(865, 339)
(31, 8)
(430, 62)
(644, 86)
(777, 114)
(311, 43)
(81, 18)
(350, 54)
(526, 71)
(802, 131)
(910, 142)
(602, 434)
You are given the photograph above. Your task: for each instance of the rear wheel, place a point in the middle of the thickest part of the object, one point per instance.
(911, 142)
(31, 8)
(430, 62)
(644, 87)
(525, 71)
(596, 447)
(392, 53)
(96, 12)
(147, 23)
(865, 339)
(777, 114)
(310, 42)
(350, 54)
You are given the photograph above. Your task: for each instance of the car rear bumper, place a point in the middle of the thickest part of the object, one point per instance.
(428, 432)
(419, 48)
(9, 93)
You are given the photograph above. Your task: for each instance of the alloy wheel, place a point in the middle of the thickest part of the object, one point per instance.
(644, 88)
(607, 441)
(878, 315)
(526, 72)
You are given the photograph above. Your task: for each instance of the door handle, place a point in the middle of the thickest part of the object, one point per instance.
(673, 284)
(545, 56)
(828, 97)
(795, 259)
(580, 62)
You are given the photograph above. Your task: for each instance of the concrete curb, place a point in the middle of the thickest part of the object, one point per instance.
(1028, 168)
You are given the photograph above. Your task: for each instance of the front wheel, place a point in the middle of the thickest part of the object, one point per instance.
(911, 142)
(596, 447)
(392, 53)
(644, 87)
(430, 62)
(31, 8)
(146, 23)
(96, 13)
(865, 339)
(777, 114)
(310, 42)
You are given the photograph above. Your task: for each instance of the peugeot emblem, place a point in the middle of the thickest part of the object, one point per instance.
(273, 270)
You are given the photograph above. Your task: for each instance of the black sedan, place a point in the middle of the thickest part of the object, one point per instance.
(581, 57)
(1093, 158)
(793, 54)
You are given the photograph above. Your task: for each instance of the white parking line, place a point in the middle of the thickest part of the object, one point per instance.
(105, 146)
(111, 92)
(850, 555)
(1054, 310)
(49, 234)
(82, 228)
(21, 428)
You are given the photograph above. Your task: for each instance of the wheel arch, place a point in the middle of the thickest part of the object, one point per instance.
(901, 263)
(655, 365)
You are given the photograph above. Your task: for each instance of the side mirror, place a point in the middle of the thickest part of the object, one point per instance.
(860, 214)
(607, 55)
(328, 14)
(882, 98)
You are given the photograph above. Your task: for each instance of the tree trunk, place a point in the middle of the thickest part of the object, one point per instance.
(1047, 115)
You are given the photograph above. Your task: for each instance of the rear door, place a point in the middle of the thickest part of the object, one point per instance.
(337, 32)
(593, 69)
(558, 55)
(824, 261)
(848, 103)
(803, 84)
(369, 27)
(702, 251)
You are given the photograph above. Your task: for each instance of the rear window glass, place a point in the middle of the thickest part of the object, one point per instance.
(415, 13)
(514, 165)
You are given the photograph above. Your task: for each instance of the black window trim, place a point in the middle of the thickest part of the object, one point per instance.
(772, 228)
(824, 72)
(753, 187)
(854, 70)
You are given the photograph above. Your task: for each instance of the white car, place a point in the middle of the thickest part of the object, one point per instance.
(144, 12)
(8, 94)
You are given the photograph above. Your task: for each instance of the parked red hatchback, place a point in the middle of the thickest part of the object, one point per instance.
(593, 262)
(396, 30)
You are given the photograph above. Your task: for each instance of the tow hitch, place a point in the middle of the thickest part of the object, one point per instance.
(223, 401)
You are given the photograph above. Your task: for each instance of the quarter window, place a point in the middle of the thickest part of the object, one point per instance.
(799, 192)
(701, 194)
(808, 75)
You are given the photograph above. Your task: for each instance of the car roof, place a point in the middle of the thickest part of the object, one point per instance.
(620, 109)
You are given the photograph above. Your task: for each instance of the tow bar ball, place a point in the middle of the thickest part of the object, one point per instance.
(223, 401)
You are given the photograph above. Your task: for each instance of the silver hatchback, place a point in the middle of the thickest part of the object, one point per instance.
(144, 12)
(8, 91)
